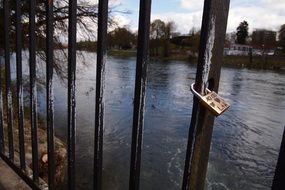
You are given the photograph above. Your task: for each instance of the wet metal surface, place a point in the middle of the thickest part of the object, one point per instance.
(139, 95)
(71, 106)
(33, 88)
(99, 98)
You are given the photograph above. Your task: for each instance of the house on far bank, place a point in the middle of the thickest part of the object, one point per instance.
(264, 42)
(236, 49)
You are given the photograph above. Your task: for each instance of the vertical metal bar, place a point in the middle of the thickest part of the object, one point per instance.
(71, 92)
(33, 89)
(139, 95)
(208, 71)
(278, 181)
(20, 85)
(100, 78)
(2, 147)
(50, 96)
(8, 78)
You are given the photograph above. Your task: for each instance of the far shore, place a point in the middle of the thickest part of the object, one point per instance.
(258, 62)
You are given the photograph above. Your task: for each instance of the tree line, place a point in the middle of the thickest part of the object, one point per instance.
(164, 42)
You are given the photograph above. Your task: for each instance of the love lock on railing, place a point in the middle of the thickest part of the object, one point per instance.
(212, 101)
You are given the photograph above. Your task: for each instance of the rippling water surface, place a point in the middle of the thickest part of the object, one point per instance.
(245, 141)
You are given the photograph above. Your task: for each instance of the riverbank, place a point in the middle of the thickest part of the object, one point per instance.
(10, 180)
(60, 150)
(257, 62)
(122, 53)
(133, 53)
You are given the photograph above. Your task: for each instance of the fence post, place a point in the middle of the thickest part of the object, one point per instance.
(139, 96)
(9, 107)
(208, 74)
(99, 97)
(72, 14)
(278, 181)
(20, 102)
(50, 93)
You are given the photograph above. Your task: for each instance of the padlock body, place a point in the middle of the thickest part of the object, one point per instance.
(215, 103)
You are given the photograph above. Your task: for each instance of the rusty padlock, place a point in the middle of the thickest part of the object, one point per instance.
(212, 101)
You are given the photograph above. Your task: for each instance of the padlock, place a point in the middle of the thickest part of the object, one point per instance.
(212, 101)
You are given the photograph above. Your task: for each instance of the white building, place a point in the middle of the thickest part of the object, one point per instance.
(236, 49)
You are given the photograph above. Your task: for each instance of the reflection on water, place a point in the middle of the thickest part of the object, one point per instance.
(245, 141)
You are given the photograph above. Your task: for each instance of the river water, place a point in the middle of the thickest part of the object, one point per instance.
(245, 141)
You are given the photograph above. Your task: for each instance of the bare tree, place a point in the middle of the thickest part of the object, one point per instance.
(87, 13)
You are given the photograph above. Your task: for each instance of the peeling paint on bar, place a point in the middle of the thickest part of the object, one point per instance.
(139, 94)
(214, 24)
(10, 98)
(208, 54)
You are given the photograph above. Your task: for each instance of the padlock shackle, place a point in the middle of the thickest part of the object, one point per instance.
(198, 95)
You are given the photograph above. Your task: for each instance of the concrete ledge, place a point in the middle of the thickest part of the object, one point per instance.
(9, 180)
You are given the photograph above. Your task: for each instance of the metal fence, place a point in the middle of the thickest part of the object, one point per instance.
(214, 20)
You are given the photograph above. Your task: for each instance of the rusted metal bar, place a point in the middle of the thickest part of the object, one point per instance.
(208, 73)
(100, 78)
(139, 96)
(278, 181)
(49, 91)
(71, 93)
(33, 89)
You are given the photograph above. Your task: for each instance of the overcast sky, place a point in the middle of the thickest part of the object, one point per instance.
(268, 14)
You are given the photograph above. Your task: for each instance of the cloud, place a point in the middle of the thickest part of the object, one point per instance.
(257, 18)
(183, 21)
(121, 21)
(192, 4)
(268, 14)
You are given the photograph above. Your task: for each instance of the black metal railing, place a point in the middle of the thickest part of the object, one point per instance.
(71, 93)
(49, 94)
(208, 71)
(99, 101)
